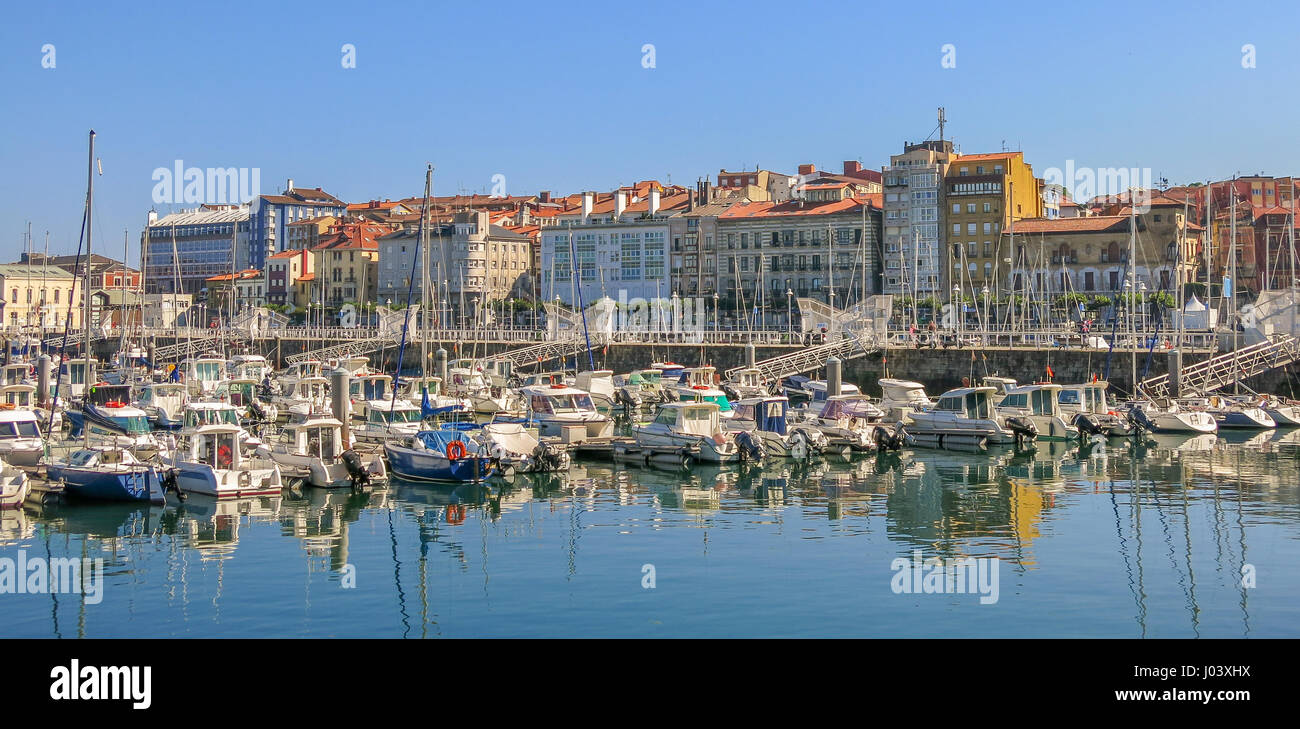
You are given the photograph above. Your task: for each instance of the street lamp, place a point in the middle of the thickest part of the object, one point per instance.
(715, 311)
(789, 310)
(961, 310)
(677, 315)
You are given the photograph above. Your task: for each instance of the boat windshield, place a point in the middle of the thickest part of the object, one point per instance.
(211, 416)
(580, 402)
(384, 417)
(19, 429)
(207, 370)
(1069, 397)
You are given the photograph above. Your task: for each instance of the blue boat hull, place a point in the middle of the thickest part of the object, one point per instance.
(139, 486)
(428, 465)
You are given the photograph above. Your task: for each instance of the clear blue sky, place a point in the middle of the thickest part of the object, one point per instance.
(554, 96)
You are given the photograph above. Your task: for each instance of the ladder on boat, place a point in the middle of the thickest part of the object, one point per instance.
(807, 360)
(1225, 369)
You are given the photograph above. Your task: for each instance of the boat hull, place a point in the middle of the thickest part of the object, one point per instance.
(136, 485)
(412, 464)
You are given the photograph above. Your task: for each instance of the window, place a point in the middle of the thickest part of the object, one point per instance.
(970, 207)
(956, 208)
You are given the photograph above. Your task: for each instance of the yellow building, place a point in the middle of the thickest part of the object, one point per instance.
(38, 296)
(984, 194)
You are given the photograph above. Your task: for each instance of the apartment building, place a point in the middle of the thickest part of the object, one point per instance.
(984, 194)
(770, 253)
(913, 234)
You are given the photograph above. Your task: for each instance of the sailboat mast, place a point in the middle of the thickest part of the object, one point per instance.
(424, 277)
(85, 314)
(1236, 385)
(1132, 299)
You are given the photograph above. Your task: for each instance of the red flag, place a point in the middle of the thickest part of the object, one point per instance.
(1050, 373)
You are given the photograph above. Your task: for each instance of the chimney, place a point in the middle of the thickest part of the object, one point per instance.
(544, 196)
(620, 204)
(653, 206)
(852, 168)
(153, 217)
(289, 187)
(807, 169)
(586, 205)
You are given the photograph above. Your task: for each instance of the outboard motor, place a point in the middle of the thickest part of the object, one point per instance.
(356, 470)
(750, 448)
(1023, 429)
(890, 440)
(258, 412)
(169, 483)
(1086, 427)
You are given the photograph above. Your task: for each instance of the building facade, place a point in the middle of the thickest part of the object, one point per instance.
(914, 236)
(270, 216)
(984, 195)
(206, 242)
(39, 296)
(770, 253)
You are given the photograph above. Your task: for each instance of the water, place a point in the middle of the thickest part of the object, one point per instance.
(1109, 543)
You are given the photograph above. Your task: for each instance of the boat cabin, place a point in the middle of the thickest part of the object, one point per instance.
(697, 418)
(204, 414)
(971, 402)
(319, 437)
(768, 413)
(1032, 399)
(18, 395)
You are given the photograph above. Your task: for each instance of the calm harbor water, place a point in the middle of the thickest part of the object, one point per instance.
(1116, 541)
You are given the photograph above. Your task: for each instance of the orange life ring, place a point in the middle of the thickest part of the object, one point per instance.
(557, 387)
(114, 404)
(455, 514)
(699, 387)
(456, 450)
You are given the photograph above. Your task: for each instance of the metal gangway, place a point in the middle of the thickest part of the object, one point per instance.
(353, 348)
(807, 360)
(188, 347)
(536, 354)
(1225, 369)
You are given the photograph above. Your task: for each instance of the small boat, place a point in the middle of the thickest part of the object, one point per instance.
(107, 412)
(376, 421)
(691, 424)
(107, 473)
(202, 374)
(242, 392)
(764, 418)
(1286, 413)
(1085, 408)
(214, 460)
(162, 402)
(14, 486)
(1235, 413)
(965, 417)
(253, 367)
(439, 455)
(1036, 403)
(696, 385)
(518, 449)
(301, 396)
(853, 421)
(75, 375)
(747, 382)
(1163, 416)
(312, 449)
(553, 408)
(600, 385)
(901, 398)
(640, 388)
(21, 443)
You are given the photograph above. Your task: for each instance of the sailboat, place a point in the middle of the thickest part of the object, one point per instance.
(102, 472)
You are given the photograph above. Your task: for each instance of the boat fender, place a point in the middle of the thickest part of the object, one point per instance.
(456, 450)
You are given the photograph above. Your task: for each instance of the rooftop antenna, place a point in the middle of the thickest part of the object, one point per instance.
(943, 119)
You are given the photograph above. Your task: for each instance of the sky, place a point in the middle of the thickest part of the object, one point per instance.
(562, 96)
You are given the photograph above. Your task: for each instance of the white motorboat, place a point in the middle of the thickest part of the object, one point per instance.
(697, 425)
(215, 461)
(696, 385)
(747, 382)
(1235, 412)
(202, 374)
(901, 398)
(1085, 408)
(162, 402)
(1286, 413)
(253, 367)
(964, 417)
(640, 388)
(553, 408)
(312, 449)
(853, 421)
(519, 449)
(1164, 416)
(375, 421)
(1037, 403)
(14, 486)
(74, 377)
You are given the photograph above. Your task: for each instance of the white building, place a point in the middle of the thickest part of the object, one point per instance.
(621, 246)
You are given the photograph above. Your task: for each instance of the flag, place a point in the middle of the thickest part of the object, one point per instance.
(1050, 373)
(426, 408)
(1227, 286)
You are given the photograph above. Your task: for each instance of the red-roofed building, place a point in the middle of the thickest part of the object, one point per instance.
(283, 271)
(347, 263)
